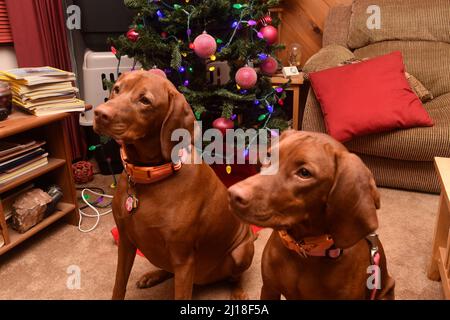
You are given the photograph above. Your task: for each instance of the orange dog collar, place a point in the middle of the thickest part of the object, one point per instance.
(321, 246)
(147, 175)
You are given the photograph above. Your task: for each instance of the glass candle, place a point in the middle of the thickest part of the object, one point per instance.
(5, 96)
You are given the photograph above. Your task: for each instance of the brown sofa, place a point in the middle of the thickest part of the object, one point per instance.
(420, 30)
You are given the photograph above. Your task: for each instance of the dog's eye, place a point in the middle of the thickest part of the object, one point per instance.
(304, 173)
(145, 101)
(116, 90)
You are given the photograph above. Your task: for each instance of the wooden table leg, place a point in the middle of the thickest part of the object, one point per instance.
(3, 226)
(440, 236)
(296, 107)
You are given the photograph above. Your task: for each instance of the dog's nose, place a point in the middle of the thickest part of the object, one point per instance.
(240, 197)
(103, 114)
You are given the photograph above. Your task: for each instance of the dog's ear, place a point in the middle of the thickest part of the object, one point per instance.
(287, 133)
(352, 202)
(179, 116)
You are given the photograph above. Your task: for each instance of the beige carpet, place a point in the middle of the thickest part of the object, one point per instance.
(37, 269)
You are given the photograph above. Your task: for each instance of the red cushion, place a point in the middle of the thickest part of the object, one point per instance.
(368, 97)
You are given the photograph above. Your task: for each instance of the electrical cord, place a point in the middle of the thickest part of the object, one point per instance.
(92, 206)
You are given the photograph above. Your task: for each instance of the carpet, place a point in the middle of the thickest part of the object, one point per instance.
(42, 266)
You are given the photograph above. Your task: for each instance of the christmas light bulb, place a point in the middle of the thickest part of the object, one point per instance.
(270, 108)
(181, 69)
(238, 6)
(176, 6)
(186, 83)
(252, 23)
(190, 69)
(212, 68)
(256, 102)
(213, 58)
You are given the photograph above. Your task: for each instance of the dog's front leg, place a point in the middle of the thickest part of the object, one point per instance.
(126, 255)
(184, 270)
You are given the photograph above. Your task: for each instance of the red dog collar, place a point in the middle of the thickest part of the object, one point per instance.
(147, 175)
(321, 246)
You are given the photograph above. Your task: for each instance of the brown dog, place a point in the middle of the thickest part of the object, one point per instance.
(320, 193)
(182, 223)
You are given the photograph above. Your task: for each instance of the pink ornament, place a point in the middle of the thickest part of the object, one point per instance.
(132, 35)
(269, 66)
(223, 124)
(246, 77)
(204, 45)
(158, 72)
(269, 33)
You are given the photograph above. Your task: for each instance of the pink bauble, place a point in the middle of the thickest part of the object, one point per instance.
(205, 45)
(158, 72)
(223, 124)
(246, 77)
(269, 66)
(132, 35)
(270, 34)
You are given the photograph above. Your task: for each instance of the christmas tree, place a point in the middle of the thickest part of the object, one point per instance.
(186, 39)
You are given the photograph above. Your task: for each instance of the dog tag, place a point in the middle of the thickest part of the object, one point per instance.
(135, 202)
(129, 204)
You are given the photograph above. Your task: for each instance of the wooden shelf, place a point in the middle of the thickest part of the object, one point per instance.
(52, 164)
(19, 122)
(16, 238)
(52, 129)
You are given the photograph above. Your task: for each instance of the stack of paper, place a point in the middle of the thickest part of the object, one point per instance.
(43, 91)
(17, 159)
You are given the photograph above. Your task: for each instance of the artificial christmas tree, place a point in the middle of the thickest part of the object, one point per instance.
(185, 38)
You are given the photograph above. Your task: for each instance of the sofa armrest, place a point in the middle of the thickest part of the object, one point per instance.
(328, 57)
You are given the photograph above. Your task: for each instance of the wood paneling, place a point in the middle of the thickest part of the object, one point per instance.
(302, 22)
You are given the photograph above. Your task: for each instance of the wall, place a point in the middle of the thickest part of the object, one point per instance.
(7, 58)
(303, 22)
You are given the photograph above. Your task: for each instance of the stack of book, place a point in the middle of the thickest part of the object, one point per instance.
(43, 91)
(17, 159)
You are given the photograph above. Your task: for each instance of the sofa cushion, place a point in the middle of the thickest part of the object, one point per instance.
(427, 61)
(327, 57)
(427, 20)
(415, 144)
(337, 23)
(368, 97)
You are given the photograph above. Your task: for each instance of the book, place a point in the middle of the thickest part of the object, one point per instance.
(35, 76)
(23, 149)
(7, 148)
(6, 177)
(26, 162)
(15, 162)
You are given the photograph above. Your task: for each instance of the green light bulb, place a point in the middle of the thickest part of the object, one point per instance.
(190, 69)
(92, 148)
(176, 6)
(219, 41)
(238, 6)
(262, 117)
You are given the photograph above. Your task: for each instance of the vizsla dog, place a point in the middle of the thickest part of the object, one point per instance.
(176, 214)
(322, 205)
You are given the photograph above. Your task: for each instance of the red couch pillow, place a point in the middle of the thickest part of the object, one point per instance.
(368, 97)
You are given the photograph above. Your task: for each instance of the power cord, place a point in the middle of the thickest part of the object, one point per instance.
(93, 207)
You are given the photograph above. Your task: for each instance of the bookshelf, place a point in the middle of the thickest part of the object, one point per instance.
(58, 171)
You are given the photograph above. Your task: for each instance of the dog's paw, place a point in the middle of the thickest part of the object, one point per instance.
(153, 278)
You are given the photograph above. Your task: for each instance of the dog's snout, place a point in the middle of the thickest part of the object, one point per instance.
(239, 196)
(103, 114)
